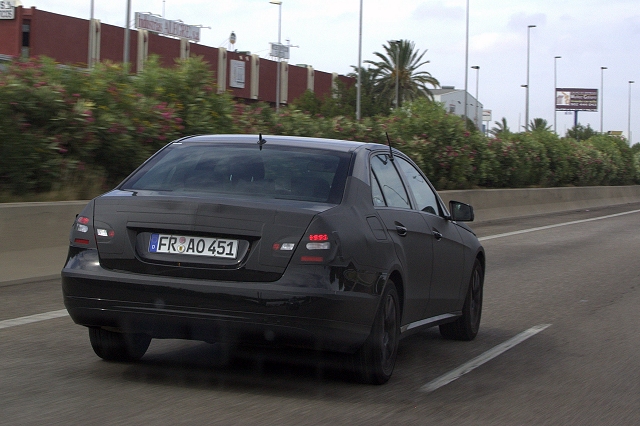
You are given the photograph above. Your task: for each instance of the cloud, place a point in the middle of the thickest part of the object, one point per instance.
(521, 20)
(436, 10)
(494, 42)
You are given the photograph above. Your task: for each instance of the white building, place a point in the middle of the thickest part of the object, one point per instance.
(453, 101)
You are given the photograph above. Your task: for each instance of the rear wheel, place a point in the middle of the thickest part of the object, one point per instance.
(112, 346)
(466, 327)
(375, 360)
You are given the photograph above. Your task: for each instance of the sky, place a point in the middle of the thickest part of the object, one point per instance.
(587, 34)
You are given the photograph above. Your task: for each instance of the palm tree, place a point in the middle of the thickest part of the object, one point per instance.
(372, 102)
(400, 63)
(501, 129)
(539, 125)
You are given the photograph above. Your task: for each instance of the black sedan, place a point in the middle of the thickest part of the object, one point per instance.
(326, 244)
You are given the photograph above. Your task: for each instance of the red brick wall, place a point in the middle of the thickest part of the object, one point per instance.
(209, 55)
(167, 49)
(323, 84)
(65, 39)
(11, 34)
(61, 37)
(348, 81)
(267, 85)
(112, 45)
(297, 82)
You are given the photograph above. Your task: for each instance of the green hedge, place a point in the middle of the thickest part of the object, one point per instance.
(62, 127)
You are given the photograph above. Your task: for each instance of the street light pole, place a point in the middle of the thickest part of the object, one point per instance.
(477, 68)
(466, 67)
(555, 91)
(526, 111)
(126, 36)
(92, 34)
(629, 122)
(397, 72)
(397, 43)
(279, 50)
(359, 86)
(602, 98)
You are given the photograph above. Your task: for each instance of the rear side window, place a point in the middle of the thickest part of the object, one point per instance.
(422, 192)
(236, 170)
(390, 185)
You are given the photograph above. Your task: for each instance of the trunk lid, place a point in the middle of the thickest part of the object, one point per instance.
(213, 238)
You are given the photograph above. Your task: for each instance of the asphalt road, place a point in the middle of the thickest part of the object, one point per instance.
(584, 368)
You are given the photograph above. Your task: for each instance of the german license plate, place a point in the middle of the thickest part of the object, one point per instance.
(199, 246)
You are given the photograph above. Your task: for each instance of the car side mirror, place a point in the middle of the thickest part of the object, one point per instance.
(461, 212)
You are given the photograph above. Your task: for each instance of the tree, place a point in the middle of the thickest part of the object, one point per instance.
(371, 101)
(400, 63)
(308, 102)
(539, 125)
(341, 102)
(501, 130)
(581, 133)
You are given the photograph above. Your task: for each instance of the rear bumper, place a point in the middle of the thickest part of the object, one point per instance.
(317, 314)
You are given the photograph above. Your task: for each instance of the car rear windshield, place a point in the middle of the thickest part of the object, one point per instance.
(276, 172)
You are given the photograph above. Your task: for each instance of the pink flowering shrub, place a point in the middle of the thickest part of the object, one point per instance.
(59, 123)
(43, 127)
(439, 143)
(62, 126)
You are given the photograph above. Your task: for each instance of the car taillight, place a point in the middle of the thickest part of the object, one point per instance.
(82, 223)
(318, 242)
(318, 248)
(82, 231)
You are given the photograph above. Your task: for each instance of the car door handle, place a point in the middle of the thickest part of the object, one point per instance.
(437, 234)
(402, 231)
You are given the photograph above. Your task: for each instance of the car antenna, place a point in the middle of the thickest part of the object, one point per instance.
(261, 141)
(389, 143)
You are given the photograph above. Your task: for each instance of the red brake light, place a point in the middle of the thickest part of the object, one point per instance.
(312, 259)
(83, 220)
(319, 237)
(81, 241)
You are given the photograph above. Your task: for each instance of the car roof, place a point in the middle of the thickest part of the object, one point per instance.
(289, 141)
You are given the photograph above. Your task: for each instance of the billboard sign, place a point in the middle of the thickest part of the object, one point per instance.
(237, 74)
(279, 51)
(576, 99)
(157, 24)
(486, 115)
(7, 9)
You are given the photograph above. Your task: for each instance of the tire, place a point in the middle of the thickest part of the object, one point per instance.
(120, 347)
(466, 327)
(375, 360)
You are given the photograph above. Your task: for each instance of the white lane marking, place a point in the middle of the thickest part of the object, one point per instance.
(541, 228)
(33, 318)
(452, 375)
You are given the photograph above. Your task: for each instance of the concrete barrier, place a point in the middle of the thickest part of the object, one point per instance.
(35, 239)
(35, 236)
(25, 226)
(491, 204)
